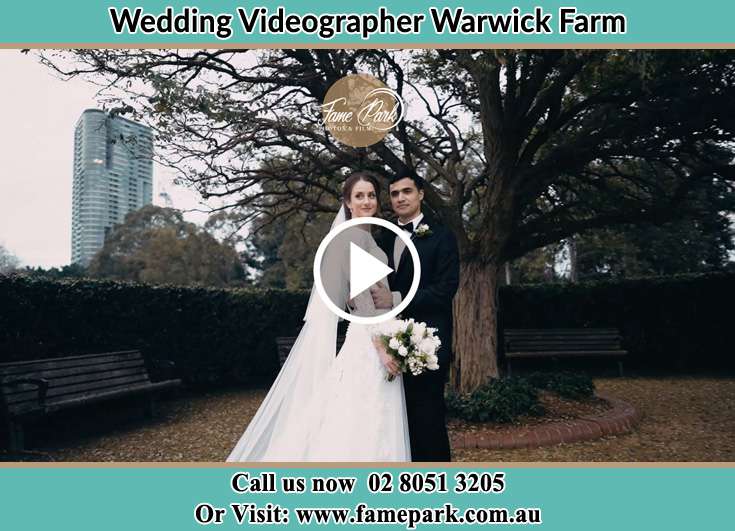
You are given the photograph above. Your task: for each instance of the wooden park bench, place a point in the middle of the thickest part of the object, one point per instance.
(37, 388)
(285, 344)
(528, 343)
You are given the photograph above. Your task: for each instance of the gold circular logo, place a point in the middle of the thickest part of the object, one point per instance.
(359, 110)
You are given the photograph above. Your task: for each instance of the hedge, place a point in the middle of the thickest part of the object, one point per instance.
(213, 335)
(670, 323)
(221, 335)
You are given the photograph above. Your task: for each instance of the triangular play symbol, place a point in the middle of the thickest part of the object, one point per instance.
(365, 270)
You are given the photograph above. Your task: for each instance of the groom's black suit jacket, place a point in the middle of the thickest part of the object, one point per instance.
(432, 304)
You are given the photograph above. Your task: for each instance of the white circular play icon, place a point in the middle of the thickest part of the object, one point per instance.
(364, 270)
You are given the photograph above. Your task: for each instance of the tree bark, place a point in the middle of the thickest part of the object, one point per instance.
(475, 340)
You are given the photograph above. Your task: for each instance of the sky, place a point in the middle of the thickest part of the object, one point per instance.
(36, 157)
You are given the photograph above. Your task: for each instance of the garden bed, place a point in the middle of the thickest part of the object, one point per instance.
(556, 409)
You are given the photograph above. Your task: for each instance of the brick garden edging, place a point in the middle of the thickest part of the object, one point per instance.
(620, 419)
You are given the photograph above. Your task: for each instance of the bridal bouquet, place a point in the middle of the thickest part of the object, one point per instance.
(412, 344)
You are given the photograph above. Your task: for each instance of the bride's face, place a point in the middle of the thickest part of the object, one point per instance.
(363, 200)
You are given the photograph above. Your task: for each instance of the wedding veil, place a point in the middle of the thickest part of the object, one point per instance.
(279, 431)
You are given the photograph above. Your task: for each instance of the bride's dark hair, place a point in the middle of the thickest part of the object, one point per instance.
(350, 182)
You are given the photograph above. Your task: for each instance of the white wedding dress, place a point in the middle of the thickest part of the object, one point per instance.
(327, 408)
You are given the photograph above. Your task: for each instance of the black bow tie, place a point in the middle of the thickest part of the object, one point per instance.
(408, 227)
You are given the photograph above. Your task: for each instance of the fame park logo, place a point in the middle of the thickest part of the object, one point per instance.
(359, 110)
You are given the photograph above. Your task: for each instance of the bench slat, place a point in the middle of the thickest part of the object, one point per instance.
(87, 391)
(571, 337)
(32, 408)
(564, 353)
(33, 404)
(536, 342)
(562, 345)
(114, 393)
(560, 331)
(545, 342)
(66, 390)
(61, 386)
(55, 374)
(12, 369)
(558, 336)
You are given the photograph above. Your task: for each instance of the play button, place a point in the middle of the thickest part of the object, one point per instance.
(347, 263)
(365, 270)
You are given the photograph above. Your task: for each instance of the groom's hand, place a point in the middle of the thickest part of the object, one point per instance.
(382, 297)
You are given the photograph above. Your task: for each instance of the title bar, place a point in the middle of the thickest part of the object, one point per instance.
(604, 23)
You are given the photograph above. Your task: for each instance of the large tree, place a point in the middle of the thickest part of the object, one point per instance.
(695, 245)
(281, 255)
(522, 148)
(155, 245)
(698, 244)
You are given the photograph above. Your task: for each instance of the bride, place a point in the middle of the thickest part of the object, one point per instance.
(327, 408)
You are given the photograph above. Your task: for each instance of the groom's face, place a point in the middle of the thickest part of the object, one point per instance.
(405, 198)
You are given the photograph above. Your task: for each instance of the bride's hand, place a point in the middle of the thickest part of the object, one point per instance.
(386, 359)
(382, 297)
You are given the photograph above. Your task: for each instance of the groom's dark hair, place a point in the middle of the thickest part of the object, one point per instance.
(408, 174)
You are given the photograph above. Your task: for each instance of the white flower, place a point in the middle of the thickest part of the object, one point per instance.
(394, 343)
(422, 230)
(427, 345)
(402, 350)
(418, 331)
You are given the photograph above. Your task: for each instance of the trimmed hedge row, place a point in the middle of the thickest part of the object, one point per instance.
(213, 335)
(673, 323)
(225, 335)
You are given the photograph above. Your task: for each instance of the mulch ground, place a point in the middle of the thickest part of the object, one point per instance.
(683, 419)
(555, 409)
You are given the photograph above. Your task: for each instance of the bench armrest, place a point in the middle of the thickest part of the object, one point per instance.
(41, 383)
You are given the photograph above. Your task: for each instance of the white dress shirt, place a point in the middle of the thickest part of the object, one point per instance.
(398, 248)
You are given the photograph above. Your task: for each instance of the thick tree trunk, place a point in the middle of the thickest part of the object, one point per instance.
(475, 339)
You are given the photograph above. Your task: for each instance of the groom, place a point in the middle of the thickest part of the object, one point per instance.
(437, 250)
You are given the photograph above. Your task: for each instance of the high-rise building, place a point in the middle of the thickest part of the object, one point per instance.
(113, 175)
